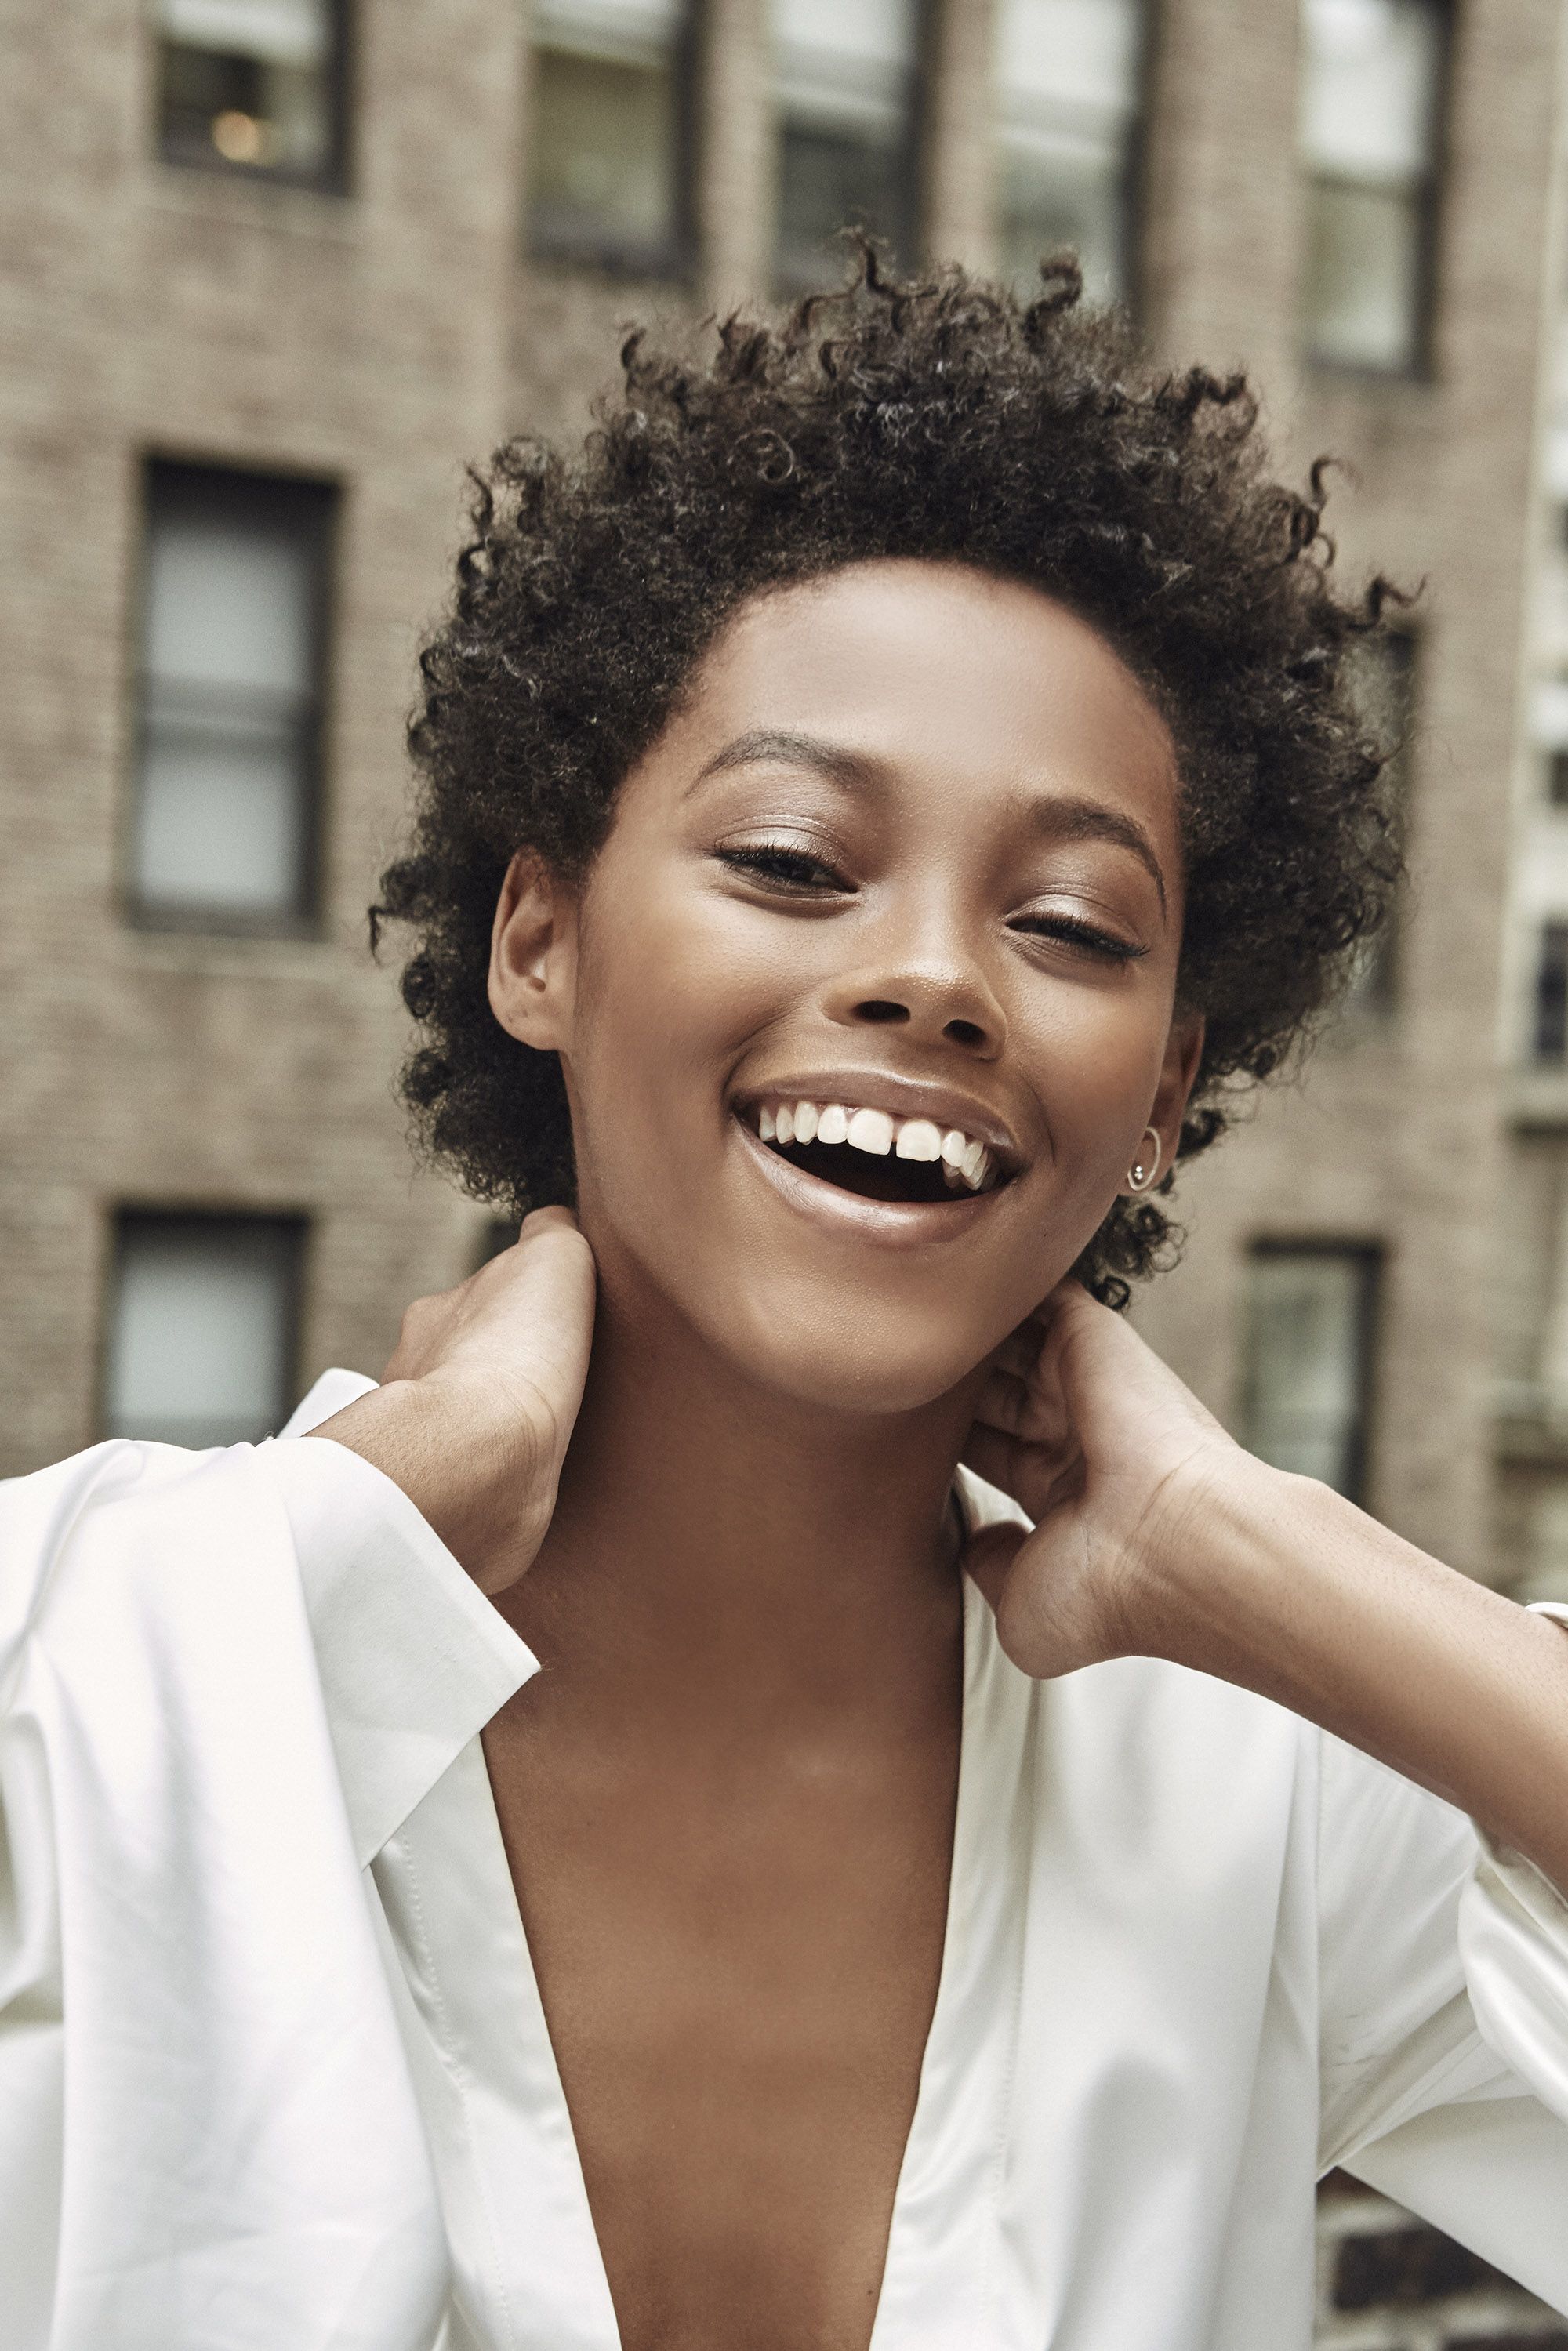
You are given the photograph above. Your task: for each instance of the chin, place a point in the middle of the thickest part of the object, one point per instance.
(855, 1361)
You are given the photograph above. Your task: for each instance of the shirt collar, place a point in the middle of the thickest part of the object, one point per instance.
(412, 1660)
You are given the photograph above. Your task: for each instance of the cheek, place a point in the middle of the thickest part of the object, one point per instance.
(673, 988)
(1095, 1058)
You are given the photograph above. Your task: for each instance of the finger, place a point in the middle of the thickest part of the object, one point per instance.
(989, 1556)
(1003, 1403)
(993, 1456)
(1019, 1350)
(1037, 1423)
(557, 1216)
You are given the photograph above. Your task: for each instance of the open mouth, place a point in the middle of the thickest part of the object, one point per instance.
(876, 1156)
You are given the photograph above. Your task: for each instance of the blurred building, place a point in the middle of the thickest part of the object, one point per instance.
(271, 270)
(1532, 1355)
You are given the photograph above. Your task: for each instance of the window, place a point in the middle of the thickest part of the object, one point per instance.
(232, 626)
(202, 1324)
(1384, 689)
(1549, 731)
(1549, 1039)
(606, 149)
(1370, 80)
(1069, 73)
(845, 89)
(251, 86)
(1310, 1313)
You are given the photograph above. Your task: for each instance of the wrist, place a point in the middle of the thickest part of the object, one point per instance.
(1210, 1558)
(470, 1457)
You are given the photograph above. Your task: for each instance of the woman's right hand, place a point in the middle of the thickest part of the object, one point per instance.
(478, 1403)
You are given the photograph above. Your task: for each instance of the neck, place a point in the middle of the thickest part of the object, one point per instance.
(717, 1546)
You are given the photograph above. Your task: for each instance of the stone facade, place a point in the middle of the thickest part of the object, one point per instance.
(379, 338)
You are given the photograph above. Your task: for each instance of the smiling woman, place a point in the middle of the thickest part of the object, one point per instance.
(908, 852)
(779, 1782)
(939, 422)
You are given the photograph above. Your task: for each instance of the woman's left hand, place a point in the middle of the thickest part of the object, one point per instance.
(1157, 1535)
(1114, 1460)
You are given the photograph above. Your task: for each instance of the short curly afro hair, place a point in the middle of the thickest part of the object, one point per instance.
(934, 417)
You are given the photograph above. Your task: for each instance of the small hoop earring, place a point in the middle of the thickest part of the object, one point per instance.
(1142, 1174)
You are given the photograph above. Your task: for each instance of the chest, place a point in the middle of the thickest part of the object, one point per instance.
(1115, 2132)
(737, 1957)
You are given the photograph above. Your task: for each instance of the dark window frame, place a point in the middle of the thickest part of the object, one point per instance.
(671, 259)
(1371, 1258)
(1549, 994)
(336, 177)
(297, 1224)
(263, 485)
(1432, 208)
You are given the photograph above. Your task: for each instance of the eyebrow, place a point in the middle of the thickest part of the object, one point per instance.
(1069, 817)
(840, 765)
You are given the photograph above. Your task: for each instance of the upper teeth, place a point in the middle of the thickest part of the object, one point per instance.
(965, 1159)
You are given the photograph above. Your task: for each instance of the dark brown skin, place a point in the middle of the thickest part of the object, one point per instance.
(728, 1798)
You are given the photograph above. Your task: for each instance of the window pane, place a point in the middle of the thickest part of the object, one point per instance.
(1369, 104)
(1307, 1330)
(1368, 87)
(231, 618)
(845, 94)
(1068, 74)
(1551, 1037)
(1363, 275)
(250, 85)
(603, 156)
(200, 1328)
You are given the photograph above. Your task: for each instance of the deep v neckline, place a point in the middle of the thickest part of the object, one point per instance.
(551, 2288)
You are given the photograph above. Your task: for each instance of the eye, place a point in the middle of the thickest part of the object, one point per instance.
(790, 872)
(1069, 930)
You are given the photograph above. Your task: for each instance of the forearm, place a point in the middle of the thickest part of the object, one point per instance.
(1285, 1588)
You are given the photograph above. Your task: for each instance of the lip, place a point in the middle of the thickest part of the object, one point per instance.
(901, 1097)
(896, 1224)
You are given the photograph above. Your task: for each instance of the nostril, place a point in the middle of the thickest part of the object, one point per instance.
(879, 1008)
(964, 1032)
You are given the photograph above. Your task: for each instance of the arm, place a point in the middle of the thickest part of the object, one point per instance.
(475, 1408)
(1158, 1535)
(1443, 1968)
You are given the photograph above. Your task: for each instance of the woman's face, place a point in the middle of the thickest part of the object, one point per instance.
(908, 856)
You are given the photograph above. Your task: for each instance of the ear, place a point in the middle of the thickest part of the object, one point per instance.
(1184, 1050)
(533, 955)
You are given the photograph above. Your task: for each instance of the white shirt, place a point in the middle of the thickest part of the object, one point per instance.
(273, 2073)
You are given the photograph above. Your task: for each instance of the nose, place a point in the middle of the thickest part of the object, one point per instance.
(931, 989)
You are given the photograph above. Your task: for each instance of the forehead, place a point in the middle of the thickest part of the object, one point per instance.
(944, 672)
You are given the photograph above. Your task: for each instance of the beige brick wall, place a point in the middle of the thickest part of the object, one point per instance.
(382, 338)
(1398, 1134)
(149, 309)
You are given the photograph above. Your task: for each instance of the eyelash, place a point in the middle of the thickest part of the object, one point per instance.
(773, 861)
(1103, 944)
(794, 869)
